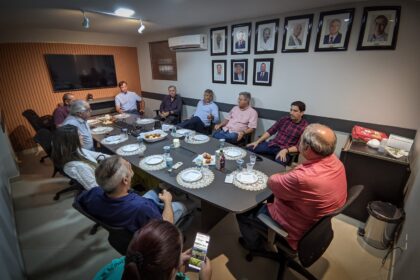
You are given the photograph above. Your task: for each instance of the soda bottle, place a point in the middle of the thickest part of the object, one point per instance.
(222, 160)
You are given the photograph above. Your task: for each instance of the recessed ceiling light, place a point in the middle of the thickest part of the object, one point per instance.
(123, 12)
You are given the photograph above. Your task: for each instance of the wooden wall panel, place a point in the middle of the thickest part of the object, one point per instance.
(25, 82)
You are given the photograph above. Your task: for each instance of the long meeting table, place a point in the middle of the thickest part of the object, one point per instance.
(218, 198)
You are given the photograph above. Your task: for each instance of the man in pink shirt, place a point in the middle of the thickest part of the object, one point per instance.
(302, 196)
(242, 120)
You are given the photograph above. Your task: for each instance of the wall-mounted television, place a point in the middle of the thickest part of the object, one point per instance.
(76, 72)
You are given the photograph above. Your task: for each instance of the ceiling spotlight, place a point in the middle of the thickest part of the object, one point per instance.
(85, 22)
(141, 28)
(123, 12)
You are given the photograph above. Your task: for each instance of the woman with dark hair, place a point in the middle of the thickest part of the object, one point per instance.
(77, 162)
(154, 253)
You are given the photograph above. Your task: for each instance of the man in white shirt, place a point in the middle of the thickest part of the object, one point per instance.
(294, 39)
(79, 114)
(266, 44)
(126, 101)
(218, 76)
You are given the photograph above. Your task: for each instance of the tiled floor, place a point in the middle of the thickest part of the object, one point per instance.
(56, 244)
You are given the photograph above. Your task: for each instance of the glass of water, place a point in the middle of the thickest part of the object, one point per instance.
(199, 163)
(221, 143)
(169, 163)
(239, 163)
(252, 159)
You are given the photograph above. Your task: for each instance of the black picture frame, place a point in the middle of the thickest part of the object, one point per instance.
(218, 40)
(215, 76)
(234, 79)
(368, 37)
(238, 46)
(265, 78)
(297, 33)
(272, 28)
(341, 19)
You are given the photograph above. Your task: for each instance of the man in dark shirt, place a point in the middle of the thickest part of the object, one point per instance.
(62, 111)
(171, 107)
(114, 204)
(288, 131)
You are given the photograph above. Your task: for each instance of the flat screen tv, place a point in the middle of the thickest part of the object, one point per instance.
(76, 72)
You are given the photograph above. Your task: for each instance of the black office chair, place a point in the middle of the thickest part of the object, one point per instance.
(38, 122)
(74, 187)
(311, 246)
(118, 237)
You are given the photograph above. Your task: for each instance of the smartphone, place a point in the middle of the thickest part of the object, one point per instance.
(199, 251)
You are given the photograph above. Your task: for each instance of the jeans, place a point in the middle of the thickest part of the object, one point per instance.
(177, 207)
(231, 137)
(194, 123)
(264, 149)
(248, 225)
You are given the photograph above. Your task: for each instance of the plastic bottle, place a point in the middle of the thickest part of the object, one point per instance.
(222, 160)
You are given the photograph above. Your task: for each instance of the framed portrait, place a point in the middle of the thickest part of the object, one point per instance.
(334, 28)
(219, 71)
(266, 36)
(379, 29)
(241, 38)
(239, 71)
(297, 33)
(218, 41)
(163, 61)
(263, 71)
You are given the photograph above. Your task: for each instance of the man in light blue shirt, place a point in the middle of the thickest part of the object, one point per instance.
(79, 114)
(126, 101)
(206, 112)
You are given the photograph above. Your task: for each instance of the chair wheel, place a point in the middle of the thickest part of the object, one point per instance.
(249, 257)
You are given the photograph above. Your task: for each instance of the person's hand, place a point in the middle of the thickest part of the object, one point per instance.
(240, 136)
(282, 155)
(186, 256)
(210, 117)
(217, 126)
(141, 112)
(205, 272)
(161, 114)
(253, 145)
(165, 196)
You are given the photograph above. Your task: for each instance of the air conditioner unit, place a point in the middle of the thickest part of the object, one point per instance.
(188, 43)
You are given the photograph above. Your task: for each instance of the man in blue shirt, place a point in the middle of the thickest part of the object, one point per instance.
(126, 101)
(79, 114)
(114, 204)
(206, 112)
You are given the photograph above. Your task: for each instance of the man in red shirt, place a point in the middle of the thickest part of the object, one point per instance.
(288, 130)
(62, 111)
(302, 196)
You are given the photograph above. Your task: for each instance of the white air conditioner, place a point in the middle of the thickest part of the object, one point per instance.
(188, 43)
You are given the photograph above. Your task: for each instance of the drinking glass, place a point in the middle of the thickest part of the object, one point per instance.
(221, 143)
(169, 163)
(166, 151)
(239, 163)
(249, 168)
(252, 159)
(199, 163)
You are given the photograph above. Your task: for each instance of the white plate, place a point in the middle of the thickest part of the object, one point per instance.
(145, 121)
(122, 116)
(99, 129)
(113, 138)
(162, 135)
(183, 132)
(93, 121)
(191, 176)
(153, 160)
(246, 178)
(200, 137)
(232, 152)
(130, 148)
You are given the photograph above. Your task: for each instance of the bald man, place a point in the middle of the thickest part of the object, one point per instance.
(302, 196)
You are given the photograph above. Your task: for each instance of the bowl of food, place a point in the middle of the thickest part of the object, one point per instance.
(153, 136)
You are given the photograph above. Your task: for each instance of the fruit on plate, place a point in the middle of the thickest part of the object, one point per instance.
(152, 136)
(207, 156)
(208, 161)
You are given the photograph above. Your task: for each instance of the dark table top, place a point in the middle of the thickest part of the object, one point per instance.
(221, 194)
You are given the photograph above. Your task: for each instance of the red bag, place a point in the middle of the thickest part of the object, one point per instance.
(365, 134)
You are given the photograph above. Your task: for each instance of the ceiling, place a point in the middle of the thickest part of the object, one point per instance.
(157, 15)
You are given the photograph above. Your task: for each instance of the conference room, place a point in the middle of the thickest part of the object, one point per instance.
(276, 140)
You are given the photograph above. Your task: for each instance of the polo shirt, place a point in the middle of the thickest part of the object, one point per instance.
(241, 119)
(130, 212)
(127, 101)
(83, 128)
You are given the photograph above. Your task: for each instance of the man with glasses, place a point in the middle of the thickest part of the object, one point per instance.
(79, 114)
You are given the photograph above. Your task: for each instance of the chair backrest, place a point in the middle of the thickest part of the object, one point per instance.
(43, 137)
(118, 237)
(33, 119)
(317, 239)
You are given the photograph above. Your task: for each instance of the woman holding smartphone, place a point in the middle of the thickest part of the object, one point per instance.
(155, 252)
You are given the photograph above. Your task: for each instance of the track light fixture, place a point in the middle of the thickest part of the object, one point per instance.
(122, 13)
(85, 22)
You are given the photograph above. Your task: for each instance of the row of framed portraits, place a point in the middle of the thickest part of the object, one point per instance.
(379, 31)
(262, 74)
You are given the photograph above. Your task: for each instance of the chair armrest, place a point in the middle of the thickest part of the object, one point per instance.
(269, 222)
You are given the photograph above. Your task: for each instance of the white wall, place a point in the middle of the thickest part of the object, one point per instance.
(370, 86)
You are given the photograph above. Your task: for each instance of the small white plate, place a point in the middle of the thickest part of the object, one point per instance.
(246, 178)
(191, 176)
(122, 116)
(93, 121)
(183, 132)
(113, 138)
(99, 129)
(130, 148)
(200, 137)
(145, 121)
(153, 160)
(232, 152)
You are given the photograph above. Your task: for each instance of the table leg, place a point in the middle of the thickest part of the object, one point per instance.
(210, 216)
